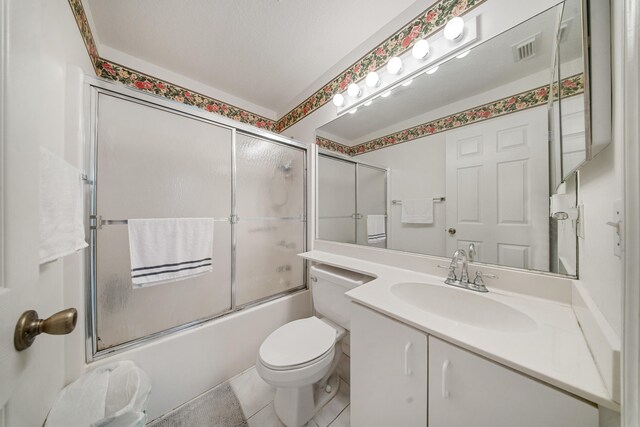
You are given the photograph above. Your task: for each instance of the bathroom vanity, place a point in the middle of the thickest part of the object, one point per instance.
(425, 353)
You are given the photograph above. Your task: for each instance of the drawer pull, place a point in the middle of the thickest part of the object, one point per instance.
(445, 379)
(407, 369)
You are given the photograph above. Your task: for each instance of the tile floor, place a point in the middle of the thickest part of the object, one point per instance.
(256, 401)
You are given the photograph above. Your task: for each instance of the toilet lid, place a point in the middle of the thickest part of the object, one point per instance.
(297, 342)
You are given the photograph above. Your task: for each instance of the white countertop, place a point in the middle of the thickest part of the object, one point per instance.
(555, 352)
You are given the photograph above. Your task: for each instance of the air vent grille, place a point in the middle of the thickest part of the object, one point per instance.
(526, 49)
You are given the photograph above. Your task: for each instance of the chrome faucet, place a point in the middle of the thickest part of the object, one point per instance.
(463, 282)
(464, 273)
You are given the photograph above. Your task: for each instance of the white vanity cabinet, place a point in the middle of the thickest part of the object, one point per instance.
(468, 390)
(388, 371)
(402, 377)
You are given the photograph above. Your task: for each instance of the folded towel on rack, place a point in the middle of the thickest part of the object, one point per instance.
(61, 213)
(166, 250)
(417, 211)
(376, 231)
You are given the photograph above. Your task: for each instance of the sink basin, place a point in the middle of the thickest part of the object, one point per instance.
(464, 306)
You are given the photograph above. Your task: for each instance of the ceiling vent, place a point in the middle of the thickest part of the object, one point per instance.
(525, 49)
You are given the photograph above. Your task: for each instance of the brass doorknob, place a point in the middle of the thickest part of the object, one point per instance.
(29, 326)
(452, 231)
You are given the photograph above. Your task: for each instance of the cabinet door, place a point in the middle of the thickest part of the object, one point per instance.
(388, 371)
(468, 390)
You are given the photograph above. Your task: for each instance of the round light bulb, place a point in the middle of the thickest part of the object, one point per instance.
(463, 54)
(407, 83)
(372, 79)
(338, 100)
(432, 70)
(454, 28)
(387, 93)
(353, 111)
(395, 65)
(354, 90)
(366, 104)
(420, 50)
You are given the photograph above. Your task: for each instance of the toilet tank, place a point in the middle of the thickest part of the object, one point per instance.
(328, 286)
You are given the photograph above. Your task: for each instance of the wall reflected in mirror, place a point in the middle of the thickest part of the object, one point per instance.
(465, 155)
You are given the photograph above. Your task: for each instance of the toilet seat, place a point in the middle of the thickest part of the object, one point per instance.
(297, 344)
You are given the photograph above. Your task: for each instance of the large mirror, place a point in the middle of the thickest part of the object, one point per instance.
(459, 157)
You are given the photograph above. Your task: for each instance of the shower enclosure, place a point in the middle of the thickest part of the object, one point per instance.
(148, 160)
(348, 191)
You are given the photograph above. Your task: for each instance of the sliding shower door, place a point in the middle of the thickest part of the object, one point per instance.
(151, 161)
(371, 200)
(155, 163)
(271, 218)
(336, 199)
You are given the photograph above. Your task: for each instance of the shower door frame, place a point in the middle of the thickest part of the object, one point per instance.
(93, 87)
(356, 163)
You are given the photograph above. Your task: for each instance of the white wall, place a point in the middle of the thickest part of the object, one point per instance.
(601, 184)
(418, 170)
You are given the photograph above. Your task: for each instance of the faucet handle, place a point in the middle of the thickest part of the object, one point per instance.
(478, 283)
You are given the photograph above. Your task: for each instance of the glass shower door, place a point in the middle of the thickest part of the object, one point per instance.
(270, 232)
(371, 200)
(336, 199)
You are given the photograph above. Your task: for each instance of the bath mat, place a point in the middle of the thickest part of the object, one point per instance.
(217, 407)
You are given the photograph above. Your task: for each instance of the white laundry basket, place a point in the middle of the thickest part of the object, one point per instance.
(114, 395)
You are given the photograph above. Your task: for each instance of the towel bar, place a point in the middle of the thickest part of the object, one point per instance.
(435, 199)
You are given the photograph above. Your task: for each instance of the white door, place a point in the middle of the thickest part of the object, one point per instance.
(468, 390)
(32, 114)
(498, 190)
(388, 371)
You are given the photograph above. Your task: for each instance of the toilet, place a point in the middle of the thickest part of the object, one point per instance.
(300, 359)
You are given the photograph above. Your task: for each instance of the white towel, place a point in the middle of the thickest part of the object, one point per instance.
(61, 218)
(417, 211)
(376, 231)
(166, 250)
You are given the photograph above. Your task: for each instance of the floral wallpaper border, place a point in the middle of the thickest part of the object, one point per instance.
(570, 86)
(333, 146)
(423, 25)
(132, 78)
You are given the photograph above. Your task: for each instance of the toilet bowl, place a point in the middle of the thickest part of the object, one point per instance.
(300, 358)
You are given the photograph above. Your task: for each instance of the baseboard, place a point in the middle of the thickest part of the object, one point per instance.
(601, 339)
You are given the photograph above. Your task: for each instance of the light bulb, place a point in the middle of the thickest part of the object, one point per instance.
(372, 80)
(338, 100)
(354, 90)
(432, 70)
(420, 50)
(366, 104)
(387, 93)
(407, 83)
(353, 111)
(454, 28)
(463, 54)
(395, 65)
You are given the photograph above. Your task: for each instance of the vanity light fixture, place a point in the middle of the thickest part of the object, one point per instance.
(394, 66)
(432, 70)
(338, 100)
(454, 28)
(366, 104)
(372, 79)
(463, 54)
(420, 50)
(387, 93)
(353, 111)
(354, 90)
(407, 83)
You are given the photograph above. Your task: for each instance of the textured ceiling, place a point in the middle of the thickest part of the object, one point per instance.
(264, 51)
